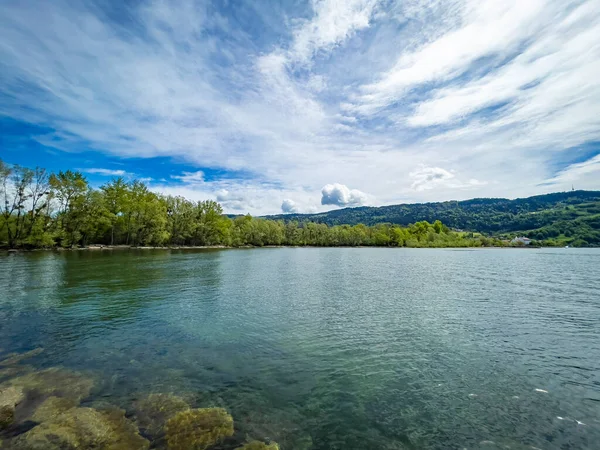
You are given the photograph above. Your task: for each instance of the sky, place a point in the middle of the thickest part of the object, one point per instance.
(271, 106)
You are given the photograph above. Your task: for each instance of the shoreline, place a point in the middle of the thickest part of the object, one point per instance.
(225, 247)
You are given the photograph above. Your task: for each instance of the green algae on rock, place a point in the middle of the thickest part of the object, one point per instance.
(51, 408)
(7, 416)
(259, 445)
(153, 411)
(13, 371)
(56, 381)
(198, 429)
(10, 397)
(84, 428)
(15, 358)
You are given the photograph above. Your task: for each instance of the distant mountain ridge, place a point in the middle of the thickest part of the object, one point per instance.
(540, 217)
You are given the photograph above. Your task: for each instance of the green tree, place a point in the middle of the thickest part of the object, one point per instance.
(69, 189)
(115, 198)
(180, 216)
(14, 184)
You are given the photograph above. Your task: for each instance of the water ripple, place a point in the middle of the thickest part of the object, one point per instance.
(331, 348)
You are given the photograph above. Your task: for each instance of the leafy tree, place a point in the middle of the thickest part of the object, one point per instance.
(115, 197)
(180, 219)
(20, 188)
(69, 189)
(38, 210)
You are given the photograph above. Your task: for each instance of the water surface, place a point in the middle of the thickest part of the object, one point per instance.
(329, 348)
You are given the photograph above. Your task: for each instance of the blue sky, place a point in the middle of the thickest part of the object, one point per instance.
(306, 105)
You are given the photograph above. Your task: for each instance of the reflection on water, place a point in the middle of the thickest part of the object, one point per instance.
(316, 348)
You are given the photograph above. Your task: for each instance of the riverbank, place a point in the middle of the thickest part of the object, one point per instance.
(96, 248)
(116, 247)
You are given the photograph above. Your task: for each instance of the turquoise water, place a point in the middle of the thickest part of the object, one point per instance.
(329, 348)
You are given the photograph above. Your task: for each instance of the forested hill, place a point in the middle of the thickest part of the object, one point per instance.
(488, 215)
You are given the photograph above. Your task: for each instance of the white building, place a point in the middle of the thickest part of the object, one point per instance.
(521, 241)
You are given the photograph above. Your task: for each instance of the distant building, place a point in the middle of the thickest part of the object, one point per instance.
(521, 241)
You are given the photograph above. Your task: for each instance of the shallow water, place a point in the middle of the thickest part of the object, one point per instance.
(329, 348)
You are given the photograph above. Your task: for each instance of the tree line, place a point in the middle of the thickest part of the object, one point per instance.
(562, 218)
(45, 210)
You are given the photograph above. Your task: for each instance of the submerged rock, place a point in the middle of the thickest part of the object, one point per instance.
(56, 381)
(258, 445)
(51, 408)
(198, 429)
(15, 358)
(153, 411)
(84, 428)
(10, 397)
(7, 416)
(10, 372)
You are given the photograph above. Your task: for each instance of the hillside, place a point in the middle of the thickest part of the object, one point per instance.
(565, 217)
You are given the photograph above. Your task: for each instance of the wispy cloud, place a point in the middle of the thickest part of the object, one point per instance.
(425, 178)
(191, 178)
(332, 23)
(106, 172)
(404, 101)
(579, 173)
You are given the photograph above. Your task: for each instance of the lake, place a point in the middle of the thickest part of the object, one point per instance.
(318, 348)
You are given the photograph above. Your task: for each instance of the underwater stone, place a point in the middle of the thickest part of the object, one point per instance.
(85, 428)
(15, 358)
(51, 408)
(7, 416)
(153, 411)
(198, 429)
(9, 372)
(258, 445)
(10, 397)
(56, 381)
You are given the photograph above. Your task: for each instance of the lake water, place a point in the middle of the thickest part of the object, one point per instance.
(328, 348)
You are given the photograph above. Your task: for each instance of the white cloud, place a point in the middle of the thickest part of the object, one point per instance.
(484, 28)
(429, 177)
(362, 91)
(583, 175)
(548, 72)
(340, 195)
(106, 172)
(289, 206)
(241, 197)
(425, 178)
(233, 200)
(333, 22)
(190, 177)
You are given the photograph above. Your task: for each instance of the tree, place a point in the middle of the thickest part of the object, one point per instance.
(14, 181)
(210, 227)
(149, 224)
(69, 189)
(39, 217)
(180, 219)
(115, 197)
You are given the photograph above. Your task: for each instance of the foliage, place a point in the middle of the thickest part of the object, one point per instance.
(563, 218)
(62, 210)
